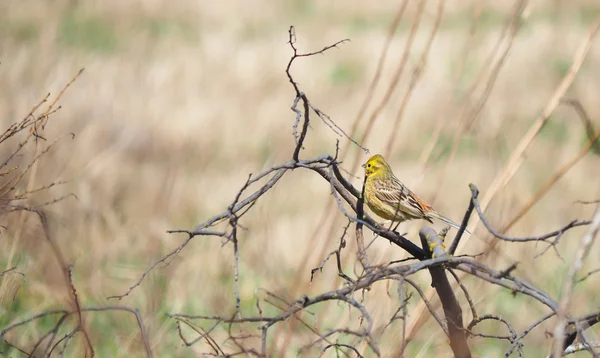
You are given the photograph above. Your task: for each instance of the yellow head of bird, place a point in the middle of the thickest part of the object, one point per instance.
(376, 165)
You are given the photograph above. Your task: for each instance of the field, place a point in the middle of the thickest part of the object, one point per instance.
(180, 101)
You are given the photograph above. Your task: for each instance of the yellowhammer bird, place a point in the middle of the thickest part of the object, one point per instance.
(392, 200)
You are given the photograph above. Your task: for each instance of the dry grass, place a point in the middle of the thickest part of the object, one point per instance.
(180, 101)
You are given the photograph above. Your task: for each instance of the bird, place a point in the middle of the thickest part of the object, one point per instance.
(390, 199)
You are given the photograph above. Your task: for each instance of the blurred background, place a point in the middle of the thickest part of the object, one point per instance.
(180, 101)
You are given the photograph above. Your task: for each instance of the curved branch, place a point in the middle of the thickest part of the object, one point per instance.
(486, 223)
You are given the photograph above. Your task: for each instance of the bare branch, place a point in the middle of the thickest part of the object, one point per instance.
(511, 338)
(306, 103)
(545, 237)
(563, 309)
(585, 118)
(579, 347)
(292, 43)
(340, 345)
(467, 295)
(337, 254)
(164, 259)
(80, 324)
(11, 270)
(587, 275)
(516, 344)
(304, 127)
(439, 320)
(66, 313)
(586, 202)
(463, 224)
(456, 332)
(360, 239)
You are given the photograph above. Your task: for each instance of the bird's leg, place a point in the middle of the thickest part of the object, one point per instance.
(396, 227)
(383, 224)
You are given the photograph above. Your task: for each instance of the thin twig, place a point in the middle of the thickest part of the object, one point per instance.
(545, 237)
(463, 224)
(133, 311)
(516, 344)
(467, 295)
(563, 309)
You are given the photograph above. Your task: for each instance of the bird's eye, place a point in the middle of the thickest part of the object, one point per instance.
(369, 165)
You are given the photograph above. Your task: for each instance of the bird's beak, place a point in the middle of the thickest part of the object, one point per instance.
(364, 166)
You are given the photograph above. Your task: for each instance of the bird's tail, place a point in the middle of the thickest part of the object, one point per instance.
(440, 217)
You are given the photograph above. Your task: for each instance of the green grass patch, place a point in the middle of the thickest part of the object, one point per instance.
(587, 14)
(487, 19)
(166, 28)
(441, 151)
(361, 23)
(254, 31)
(21, 31)
(303, 8)
(344, 73)
(555, 130)
(502, 147)
(553, 279)
(442, 147)
(88, 33)
(468, 74)
(561, 66)
(14, 309)
(265, 150)
(585, 139)
(420, 348)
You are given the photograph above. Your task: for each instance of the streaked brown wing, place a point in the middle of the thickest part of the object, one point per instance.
(399, 197)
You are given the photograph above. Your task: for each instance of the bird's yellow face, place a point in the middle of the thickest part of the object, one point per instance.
(375, 166)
